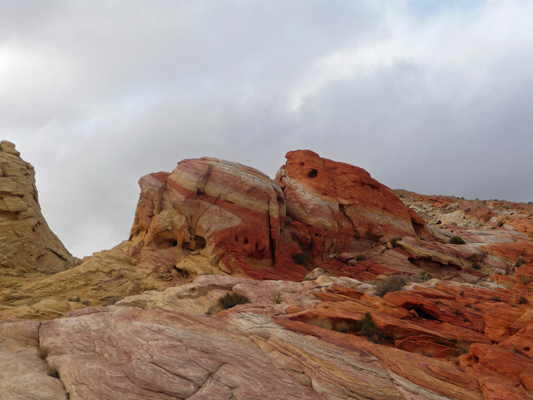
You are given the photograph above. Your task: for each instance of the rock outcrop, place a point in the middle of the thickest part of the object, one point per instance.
(160, 345)
(242, 222)
(27, 244)
(342, 207)
(229, 213)
(397, 310)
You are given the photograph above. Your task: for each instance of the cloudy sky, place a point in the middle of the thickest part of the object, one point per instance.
(433, 96)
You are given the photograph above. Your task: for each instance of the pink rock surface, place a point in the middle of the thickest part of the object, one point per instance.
(131, 353)
(23, 375)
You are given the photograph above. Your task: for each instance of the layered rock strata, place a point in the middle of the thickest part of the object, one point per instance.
(245, 223)
(27, 244)
(342, 207)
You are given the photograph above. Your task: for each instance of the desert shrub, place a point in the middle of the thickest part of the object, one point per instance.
(341, 327)
(360, 257)
(214, 309)
(394, 241)
(457, 240)
(277, 299)
(43, 352)
(86, 303)
(302, 258)
(521, 260)
(232, 299)
(496, 299)
(476, 265)
(522, 300)
(392, 283)
(321, 322)
(524, 279)
(422, 276)
(462, 293)
(463, 347)
(75, 299)
(366, 325)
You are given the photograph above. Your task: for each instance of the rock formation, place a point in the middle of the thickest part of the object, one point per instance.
(27, 243)
(397, 309)
(341, 206)
(236, 217)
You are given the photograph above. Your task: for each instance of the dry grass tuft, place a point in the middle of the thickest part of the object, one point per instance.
(321, 322)
(463, 347)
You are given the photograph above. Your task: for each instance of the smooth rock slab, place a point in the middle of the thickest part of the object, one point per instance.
(23, 375)
(149, 354)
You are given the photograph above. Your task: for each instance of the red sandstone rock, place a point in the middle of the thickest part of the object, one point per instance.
(344, 209)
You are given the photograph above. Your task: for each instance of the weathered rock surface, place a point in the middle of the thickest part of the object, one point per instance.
(27, 245)
(23, 374)
(123, 351)
(209, 226)
(342, 207)
(103, 279)
(236, 217)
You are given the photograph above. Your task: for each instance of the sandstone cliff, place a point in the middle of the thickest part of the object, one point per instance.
(27, 243)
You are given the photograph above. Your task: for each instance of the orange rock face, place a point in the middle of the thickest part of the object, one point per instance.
(245, 223)
(342, 206)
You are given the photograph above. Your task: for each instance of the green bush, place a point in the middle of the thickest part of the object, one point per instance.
(321, 322)
(361, 257)
(476, 265)
(302, 258)
(366, 325)
(524, 279)
(497, 299)
(392, 283)
(522, 300)
(277, 299)
(394, 241)
(457, 240)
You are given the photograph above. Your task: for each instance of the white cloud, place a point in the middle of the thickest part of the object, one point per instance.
(95, 95)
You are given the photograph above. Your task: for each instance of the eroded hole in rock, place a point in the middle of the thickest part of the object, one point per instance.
(313, 173)
(200, 242)
(316, 234)
(163, 243)
(526, 349)
(422, 314)
(280, 199)
(199, 191)
(418, 228)
(236, 238)
(245, 240)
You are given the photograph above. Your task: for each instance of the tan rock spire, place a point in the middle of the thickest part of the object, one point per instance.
(26, 241)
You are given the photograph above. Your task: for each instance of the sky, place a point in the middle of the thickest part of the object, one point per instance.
(432, 96)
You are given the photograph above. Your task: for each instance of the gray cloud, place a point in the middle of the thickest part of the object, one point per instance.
(96, 94)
